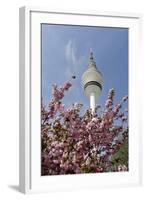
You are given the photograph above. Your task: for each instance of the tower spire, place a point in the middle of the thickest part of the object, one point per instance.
(91, 54)
(91, 62)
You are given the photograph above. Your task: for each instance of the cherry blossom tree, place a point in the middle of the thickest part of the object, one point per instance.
(73, 143)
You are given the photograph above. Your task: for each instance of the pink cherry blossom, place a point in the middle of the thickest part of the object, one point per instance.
(122, 168)
(75, 143)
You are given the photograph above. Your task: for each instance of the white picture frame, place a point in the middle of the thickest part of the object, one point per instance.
(29, 160)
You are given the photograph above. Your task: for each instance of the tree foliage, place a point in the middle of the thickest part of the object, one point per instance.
(73, 143)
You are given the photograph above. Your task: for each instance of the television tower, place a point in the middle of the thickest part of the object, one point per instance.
(92, 82)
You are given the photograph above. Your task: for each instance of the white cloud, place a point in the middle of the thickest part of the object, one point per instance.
(70, 52)
(74, 63)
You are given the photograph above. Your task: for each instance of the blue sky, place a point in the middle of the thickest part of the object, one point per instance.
(65, 52)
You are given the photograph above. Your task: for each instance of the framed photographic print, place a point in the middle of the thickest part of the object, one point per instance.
(79, 100)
